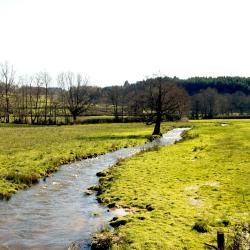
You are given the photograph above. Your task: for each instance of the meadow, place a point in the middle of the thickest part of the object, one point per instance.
(28, 153)
(179, 196)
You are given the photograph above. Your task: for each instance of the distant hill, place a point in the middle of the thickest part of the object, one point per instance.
(222, 84)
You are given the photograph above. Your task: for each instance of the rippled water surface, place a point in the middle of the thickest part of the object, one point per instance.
(54, 213)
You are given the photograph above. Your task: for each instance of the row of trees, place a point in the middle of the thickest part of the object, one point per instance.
(206, 103)
(33, 99)
(209, 103)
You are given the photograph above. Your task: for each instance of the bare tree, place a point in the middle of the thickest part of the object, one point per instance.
(17, 107)
(63, 96)
(35, 98)
(195, 106)
(45, 80)
(164, 101)
(2, 101)
(7, 75)
(224, 104)
(20, 105)
(114, 95)
(135, 102)
(209, 102)
(77, 96)
(182, 103)
(239, 102)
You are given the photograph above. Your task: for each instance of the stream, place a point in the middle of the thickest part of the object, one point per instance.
(54, 213)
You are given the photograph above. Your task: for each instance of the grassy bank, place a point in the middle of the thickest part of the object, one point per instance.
(29, 152)
(180, 195)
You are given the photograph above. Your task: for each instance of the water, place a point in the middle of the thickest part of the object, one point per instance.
(55, 213)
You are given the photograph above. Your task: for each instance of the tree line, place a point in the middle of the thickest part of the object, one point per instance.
(33, 100)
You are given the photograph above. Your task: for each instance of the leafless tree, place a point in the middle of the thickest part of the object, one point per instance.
(20, 105)
(195, 106)
(114, 94)
(77, 96)
(61, 81)
(239, 102)
(164, 101)
(224, 104)
(135, 102)
(45, 80)
(208, 99)
(35, 99)
(7, 76)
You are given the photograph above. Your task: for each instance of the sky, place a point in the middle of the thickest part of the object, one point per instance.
(111, 41)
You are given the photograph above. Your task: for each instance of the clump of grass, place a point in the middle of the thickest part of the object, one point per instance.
(105, 239)
(116, 222)
(225, 222)
(153, 137)
(149, 207)
(119, 162)
(188, 136)
(101, 174)
(154, 148)
(111, 205)
(94, 188)
(196, 148)
(24, 178)
(200, 226)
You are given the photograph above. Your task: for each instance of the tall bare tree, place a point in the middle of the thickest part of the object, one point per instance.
(77, 96)
(209, 102)
(45, 80)
(7, 76)
(21, 100)
(62, 96)
(164, 101)
(115, 95)
(35, 95)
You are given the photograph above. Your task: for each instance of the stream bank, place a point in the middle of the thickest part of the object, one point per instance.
(52, 214)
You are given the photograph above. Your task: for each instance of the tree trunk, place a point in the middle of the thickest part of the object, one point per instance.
(157, 129)
(74, 118)
(46, 104)
(7, 114)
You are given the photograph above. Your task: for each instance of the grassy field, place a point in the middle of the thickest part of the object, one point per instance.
(180, 195)
(29, 152)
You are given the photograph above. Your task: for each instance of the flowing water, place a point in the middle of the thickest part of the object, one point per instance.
(56, 212)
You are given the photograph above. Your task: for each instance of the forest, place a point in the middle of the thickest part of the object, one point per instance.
(38, 99)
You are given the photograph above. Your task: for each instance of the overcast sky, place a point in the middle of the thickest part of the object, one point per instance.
(111, 41)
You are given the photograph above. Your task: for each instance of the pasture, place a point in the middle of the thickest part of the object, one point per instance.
(181, 195)
(177, 196)
(28, 153)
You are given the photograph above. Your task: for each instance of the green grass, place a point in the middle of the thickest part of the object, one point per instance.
(30, 152)
(183, 193)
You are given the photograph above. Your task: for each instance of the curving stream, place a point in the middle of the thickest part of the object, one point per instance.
(54, 213)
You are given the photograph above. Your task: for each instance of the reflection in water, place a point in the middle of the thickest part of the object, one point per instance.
(52, 214)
